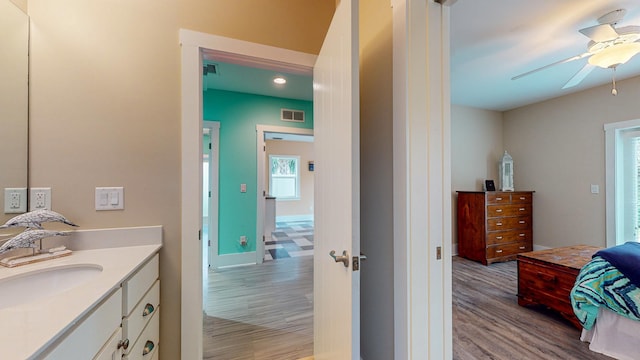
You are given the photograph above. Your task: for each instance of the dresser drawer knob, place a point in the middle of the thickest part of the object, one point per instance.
(498, 198)
(499, 251)
(522, 197)
(521, 235)
(498, 210)
(521, 222)
(522, 209)
(522, 247)
(498, 237)
(499, 224)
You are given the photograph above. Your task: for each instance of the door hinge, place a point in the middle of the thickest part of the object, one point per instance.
(209, 193)
(264, 148)
(209, 242)
(439, 253)
(209, 146)
(199, 235)
(263, 238)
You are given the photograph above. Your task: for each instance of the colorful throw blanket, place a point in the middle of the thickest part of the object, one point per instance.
(601, 284)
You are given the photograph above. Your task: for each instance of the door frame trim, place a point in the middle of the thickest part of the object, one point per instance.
(193, 44)
(214, 175)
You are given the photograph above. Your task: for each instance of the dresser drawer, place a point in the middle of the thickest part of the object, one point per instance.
(509, 210)
(508, 249)
(508, 236)
(135, 287)
(133, 324)
(519, 198)
(509, 223)
(147, 344)
(498, 198)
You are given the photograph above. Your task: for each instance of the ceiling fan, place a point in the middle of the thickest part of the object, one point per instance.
(609, 47)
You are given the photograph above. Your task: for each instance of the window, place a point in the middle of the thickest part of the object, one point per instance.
(284, 177)
(623, 181)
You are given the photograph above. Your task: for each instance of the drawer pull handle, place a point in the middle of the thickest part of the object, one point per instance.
(498, 210)
(148, 347)
(522, 209)
(499, 251)
(123, 344)
(499, 224)
(498, 198)
(521, 221)
(522, 247)
(148, 309)
(498, 237)
(521, 235)
(522, 197)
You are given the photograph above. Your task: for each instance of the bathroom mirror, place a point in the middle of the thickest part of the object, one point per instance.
(14, 95)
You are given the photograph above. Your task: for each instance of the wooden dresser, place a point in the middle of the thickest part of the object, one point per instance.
(546, 277)
(494, 225)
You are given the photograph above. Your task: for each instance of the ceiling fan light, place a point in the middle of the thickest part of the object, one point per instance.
(615, 55)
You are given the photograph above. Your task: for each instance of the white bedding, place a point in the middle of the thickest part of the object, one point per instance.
(614, 335)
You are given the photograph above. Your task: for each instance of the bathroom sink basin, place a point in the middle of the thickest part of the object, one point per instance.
(38, 284)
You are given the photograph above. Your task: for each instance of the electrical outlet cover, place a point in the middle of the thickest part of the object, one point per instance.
(40, 199)
(15, 200)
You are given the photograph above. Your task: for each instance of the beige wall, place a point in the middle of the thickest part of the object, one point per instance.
(558, 151)
(105, 106)
(476, 148)
(376, 180)
(303, 206)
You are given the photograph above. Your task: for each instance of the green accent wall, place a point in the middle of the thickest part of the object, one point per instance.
(238, 114)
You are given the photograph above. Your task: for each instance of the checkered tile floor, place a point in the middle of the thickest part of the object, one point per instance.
(291, 239)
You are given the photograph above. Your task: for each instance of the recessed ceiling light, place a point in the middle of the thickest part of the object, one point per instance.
(279, 80)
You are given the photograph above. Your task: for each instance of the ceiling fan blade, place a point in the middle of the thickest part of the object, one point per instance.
(577, 57)
(600, 33)
(579, 76)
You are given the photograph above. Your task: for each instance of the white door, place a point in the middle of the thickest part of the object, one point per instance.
(337, 188)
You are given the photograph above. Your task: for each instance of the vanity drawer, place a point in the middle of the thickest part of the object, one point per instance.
(110, 350)
(89, 336)
(137, 285)
(147, 344)
(133, 324)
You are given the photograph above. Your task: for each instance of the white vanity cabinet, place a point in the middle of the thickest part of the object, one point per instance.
(87, 338)
(140, 308)
(124, 326)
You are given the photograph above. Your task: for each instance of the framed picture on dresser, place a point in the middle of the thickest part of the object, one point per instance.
(490, 185)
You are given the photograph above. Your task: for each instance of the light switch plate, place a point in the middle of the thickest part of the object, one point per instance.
(15, 200)
(110, 198)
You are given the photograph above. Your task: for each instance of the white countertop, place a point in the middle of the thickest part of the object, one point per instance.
(28, 329)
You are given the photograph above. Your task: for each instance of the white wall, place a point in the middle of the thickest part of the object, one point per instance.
(376, 180)
(476, 148)
(558, 151)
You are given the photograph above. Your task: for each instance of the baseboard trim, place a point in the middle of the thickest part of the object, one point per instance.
(239, 259)
(304, 217)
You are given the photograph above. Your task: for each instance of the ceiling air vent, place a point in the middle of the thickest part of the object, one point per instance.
(210, 69)
(291, 115)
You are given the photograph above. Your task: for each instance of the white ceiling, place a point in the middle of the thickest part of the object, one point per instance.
(491, 42)
(495, 40)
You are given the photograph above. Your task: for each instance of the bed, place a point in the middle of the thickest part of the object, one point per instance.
(606, 301)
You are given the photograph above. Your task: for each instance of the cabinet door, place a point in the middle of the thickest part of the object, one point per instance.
(110, 351)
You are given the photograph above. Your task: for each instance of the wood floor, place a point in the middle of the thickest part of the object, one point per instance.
(266, 312)
(260, 312)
